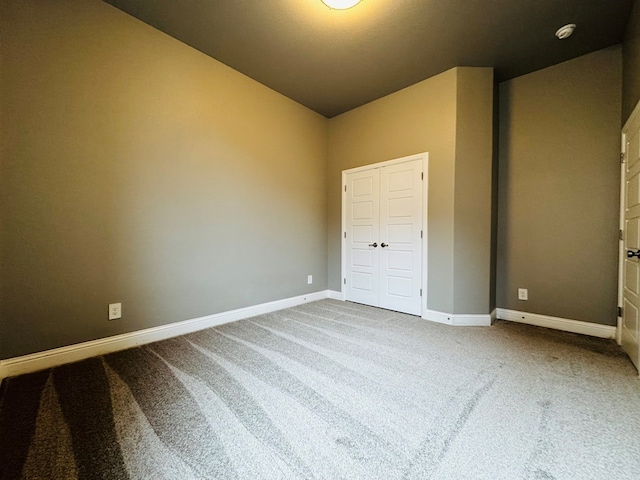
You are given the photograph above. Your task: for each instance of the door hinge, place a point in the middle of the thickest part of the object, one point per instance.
(345, 281)
(345, 234)
(421, 233)
(420, 292)
(345, 188)
(421, 175)
(620, 312)
(622, 157)
(620, 235)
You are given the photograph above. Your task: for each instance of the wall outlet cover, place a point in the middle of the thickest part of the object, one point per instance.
(309, 279)
(523, 294)
(115, 311)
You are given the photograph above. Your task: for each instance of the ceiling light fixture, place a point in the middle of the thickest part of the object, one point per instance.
(566, 31)
(341, 4)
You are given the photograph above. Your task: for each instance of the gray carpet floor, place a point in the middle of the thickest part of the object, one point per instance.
(332, 390)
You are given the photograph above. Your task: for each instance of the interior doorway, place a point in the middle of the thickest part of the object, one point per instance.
(629, 279)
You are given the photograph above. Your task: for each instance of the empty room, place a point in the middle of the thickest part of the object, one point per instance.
(319, 239)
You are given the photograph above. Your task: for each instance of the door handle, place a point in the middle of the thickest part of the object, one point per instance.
(386, 245)
(374, 244)
(630, 254)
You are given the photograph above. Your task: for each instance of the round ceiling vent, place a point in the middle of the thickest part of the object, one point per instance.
(566, 31)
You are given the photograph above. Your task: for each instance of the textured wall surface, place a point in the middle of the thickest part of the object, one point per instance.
(449, 116)
(135, 169)
(631, 64)
(473, 191)
(420, 118)
(559, 189)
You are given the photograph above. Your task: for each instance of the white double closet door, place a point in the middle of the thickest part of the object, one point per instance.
(383, 236)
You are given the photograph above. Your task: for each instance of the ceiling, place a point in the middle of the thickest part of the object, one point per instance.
(335, 60)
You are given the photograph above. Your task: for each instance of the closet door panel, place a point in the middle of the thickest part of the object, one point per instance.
(362, 231)
(400, 237)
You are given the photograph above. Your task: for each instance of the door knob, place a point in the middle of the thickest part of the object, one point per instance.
(374, 244)
(386, 245)
(630, 254)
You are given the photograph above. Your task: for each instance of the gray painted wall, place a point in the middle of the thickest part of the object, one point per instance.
(135, 169)
(559, 189)
(473, 191)
(416, 119)
(450, 116)
(631, 64)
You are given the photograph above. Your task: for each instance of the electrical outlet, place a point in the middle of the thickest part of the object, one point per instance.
(309, 279)
(523, 294)
(115, 311)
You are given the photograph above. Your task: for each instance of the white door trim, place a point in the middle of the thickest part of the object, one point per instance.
(425, 199)
(621, 251)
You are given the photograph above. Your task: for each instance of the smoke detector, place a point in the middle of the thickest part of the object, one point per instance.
(566, 31)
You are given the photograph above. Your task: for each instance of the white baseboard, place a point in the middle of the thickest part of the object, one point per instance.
(494, 315)
(565, 324)
(462, 320)
(332, 294)
(79, 351)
